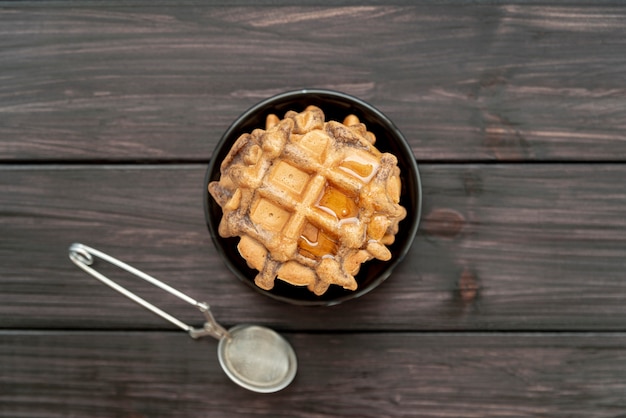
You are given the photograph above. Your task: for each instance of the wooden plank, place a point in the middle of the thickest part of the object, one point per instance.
(156, 374)
(495, 81)
(285, 3)
(501, 247)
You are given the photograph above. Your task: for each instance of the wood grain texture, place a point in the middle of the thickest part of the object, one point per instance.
(155, 374)
(501, 247)
(510, 302)
(494, 81)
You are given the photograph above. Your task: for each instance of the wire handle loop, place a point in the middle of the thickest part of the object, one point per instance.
(83, 257)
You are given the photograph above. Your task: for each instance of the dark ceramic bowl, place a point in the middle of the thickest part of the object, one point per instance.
(336, 106)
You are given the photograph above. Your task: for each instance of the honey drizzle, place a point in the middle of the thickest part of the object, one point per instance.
(359, 166)
(314, 243)
(336, 203)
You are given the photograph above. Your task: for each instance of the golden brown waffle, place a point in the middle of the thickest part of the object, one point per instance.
(311, 200)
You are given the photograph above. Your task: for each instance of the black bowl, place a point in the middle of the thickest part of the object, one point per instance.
(336, 106)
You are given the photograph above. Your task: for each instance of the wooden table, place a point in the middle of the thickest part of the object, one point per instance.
(512, 301)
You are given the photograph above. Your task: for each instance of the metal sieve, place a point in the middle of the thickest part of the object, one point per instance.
(254, 357)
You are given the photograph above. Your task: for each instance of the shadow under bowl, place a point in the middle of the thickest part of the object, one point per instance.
(336, 106)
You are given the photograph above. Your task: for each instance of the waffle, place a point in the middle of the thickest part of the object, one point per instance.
(311, 200)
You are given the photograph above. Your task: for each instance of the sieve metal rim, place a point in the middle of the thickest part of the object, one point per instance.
(241, 380)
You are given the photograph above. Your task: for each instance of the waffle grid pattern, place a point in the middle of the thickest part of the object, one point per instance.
(311, 200)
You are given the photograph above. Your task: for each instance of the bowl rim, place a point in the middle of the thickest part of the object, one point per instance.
(386, 123)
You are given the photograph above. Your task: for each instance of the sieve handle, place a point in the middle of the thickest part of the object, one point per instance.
(83, 257)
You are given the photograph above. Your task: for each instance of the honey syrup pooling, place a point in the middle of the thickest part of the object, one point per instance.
(317, 244)
(313, 242)
(360, 165)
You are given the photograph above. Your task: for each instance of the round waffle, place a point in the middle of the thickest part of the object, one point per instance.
(311, 200)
